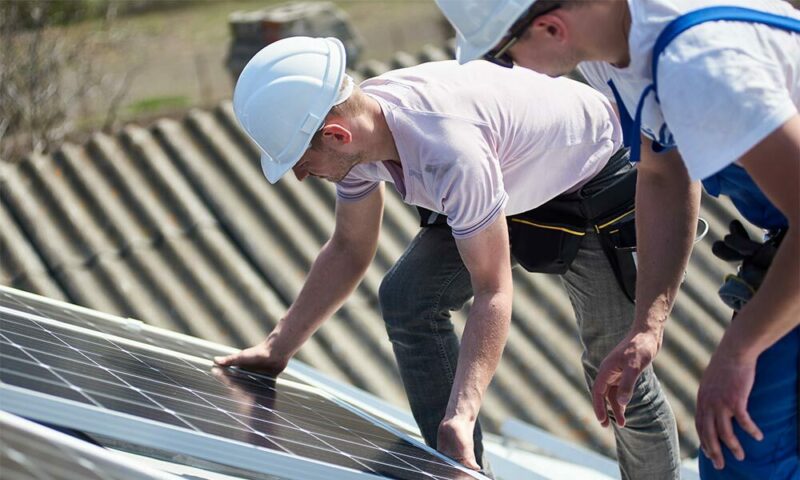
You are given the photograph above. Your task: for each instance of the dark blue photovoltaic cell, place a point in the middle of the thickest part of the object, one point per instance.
(232, 404)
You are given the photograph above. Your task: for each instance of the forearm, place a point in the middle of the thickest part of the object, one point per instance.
(774, 310)
(334, 275)
(481, 349)
(667, 208)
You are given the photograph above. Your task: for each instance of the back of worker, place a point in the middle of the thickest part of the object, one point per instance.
(499, 128)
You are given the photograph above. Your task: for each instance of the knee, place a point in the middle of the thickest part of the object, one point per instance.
(395, 301)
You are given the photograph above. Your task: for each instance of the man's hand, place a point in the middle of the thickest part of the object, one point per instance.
(455, 441)
(260, 357)
(722, 396)
(618, 373)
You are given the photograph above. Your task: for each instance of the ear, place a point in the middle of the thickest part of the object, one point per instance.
(551, 25)
(336, 134)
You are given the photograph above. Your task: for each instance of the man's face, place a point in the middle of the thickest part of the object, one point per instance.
(326, 163)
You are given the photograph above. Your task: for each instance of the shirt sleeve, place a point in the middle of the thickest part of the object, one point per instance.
(352, 189)
(720, 100)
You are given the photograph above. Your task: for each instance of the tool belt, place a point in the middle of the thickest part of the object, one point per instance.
(547, 238)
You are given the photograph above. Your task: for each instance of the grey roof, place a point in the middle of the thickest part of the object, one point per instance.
(175, 225)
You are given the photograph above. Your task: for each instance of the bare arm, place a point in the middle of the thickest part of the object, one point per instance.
(772, 312)
(667, 207)
(775, 309)
(336, 272)
(487, 258)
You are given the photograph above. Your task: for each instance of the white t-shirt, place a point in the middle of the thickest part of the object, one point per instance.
(479, 140)
(723, 86)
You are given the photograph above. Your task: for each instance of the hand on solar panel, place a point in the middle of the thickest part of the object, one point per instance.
(455, 441)
(259, 358)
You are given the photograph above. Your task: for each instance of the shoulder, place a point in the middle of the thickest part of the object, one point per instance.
(598, 75)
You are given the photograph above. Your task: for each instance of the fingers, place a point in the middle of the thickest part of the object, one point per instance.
(624, 393)
(226, 361)
(737, 228)
(454, 439)
(710, 440)
(725, 431)
(469, 462)
(244, 358)
(748, 425)
(723, 251)
(615, 390)
(616, 408)
(256, 358)
(599, 392)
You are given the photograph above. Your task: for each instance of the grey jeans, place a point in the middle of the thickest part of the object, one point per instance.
(430, 280)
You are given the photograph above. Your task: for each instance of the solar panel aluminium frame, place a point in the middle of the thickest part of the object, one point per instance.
(139, 430)
(100, 457)
(87, 418)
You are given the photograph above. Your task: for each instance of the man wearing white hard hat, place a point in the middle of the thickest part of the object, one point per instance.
(719, 80)
(493, 152)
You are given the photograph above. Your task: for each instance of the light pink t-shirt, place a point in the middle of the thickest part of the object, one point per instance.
(477, 141)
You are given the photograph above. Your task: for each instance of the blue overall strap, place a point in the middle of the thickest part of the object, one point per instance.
(630, 129)
(715, 14)
(692, 19)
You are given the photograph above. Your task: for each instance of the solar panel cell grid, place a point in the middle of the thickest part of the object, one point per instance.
(101, 323)
(254, 409)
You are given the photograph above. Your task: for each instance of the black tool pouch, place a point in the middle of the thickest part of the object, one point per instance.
(618, 238)
(612, 211)
(547, 239)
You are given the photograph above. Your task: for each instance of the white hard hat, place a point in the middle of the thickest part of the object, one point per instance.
(283, 95)
(481, 24)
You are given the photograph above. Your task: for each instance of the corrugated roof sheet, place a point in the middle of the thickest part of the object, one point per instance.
(175, 225)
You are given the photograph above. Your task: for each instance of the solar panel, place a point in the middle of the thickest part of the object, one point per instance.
(128, 328)
(118, 387)
(31, 451)
(125, 328)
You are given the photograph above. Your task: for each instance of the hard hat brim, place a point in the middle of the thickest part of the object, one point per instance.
(273, 170)
(502, 21)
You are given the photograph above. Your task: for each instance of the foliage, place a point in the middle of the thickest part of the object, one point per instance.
(32, 14)
(46, 79)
